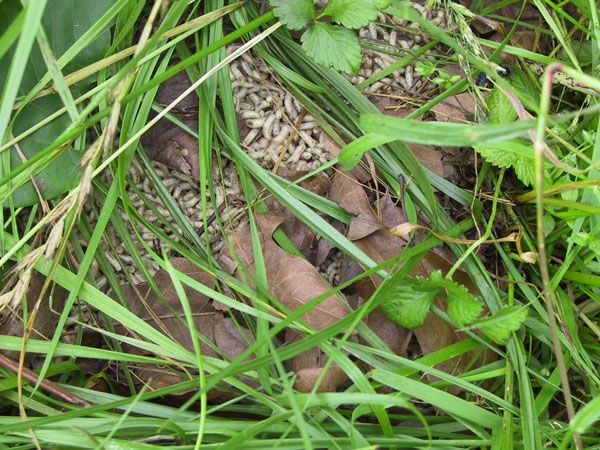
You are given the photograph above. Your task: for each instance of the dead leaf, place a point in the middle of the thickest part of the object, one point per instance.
(290, 278)
(166, 142)
(319, 183)
(436, 333)
(381, 245)
(308, 367)
(47, 315)
(395, 337)
(459, 108)
(430, 156)
(166, 314)
(392, 107)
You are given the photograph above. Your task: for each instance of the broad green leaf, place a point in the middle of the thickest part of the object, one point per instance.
(500, 108)
(294, 14)
(500, 326)
(516, 153)
(354, 13)
(524, 88)
(61, 174)
(463, 307)
(64, 21)
(333, 46)
(406, 300)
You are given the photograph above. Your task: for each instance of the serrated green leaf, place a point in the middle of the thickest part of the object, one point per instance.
(333, 46)
(354, 13)
(407, 300)
(500, 326)
(500, 108)
(463, 307)
(517, 154)
(294, 14)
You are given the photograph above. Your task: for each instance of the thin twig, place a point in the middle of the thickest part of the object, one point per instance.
(49, 386)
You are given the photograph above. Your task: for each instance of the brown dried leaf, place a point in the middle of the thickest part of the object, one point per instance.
(379, 244)
(458, 108)
(47, 313)
(167, 315)
(319, 183)
(394, 336)
(382, 245)
(166, 142)
(333, 379)
(430, 156)
(290, 278)
(308, 367)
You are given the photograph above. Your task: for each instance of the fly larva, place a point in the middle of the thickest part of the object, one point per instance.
(252, 73)
(276, 128)
(188, 196)
(113, 262)
(373, 30)
(408, 76)
(255, 99)
(283, 133)
(235, 73)
(263, 143)
(169, 182)
(307, 156)
(306, 137)
(249, 114)
(376, 86)
(244, 106)
(393, 36)
(177, 193)
(255, 123)
(263, 105)
(247, 57)
(288, 103)
(267, 125)
(308, 126)
(250, 136)
(297, 104)
(297, 152)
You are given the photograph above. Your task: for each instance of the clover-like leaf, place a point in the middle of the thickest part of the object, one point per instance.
(333, 46)
(354, 13)
(294, 14)
(407, 300)
(499, 326)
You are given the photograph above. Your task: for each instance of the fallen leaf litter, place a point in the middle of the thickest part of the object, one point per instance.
(279, 134)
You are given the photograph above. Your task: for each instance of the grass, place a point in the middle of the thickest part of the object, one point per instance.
(539, 391)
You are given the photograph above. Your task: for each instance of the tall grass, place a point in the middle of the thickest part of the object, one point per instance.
(541, 391)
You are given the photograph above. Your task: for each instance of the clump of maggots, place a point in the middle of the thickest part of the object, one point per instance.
(281, 133)
(403, 37)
